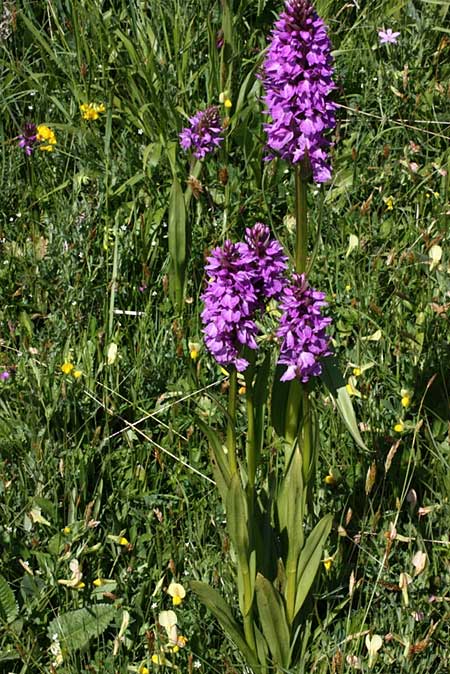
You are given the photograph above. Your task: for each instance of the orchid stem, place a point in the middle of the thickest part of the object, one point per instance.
(301, 219)
(231, 427)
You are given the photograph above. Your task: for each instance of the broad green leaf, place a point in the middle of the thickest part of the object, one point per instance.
(290, 506)
(219, 462)
(177, 242)
(273, 621)
(237, 525)
(260, 393)
(237, 517)
(262, 650)
(335, 383)
(310, 559)
(76, 628)
(8, 606)
(286, 404)
(214, 601)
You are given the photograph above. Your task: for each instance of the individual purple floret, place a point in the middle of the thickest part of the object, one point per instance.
(230, 303)
(271, 262)
(297, 77)
(302, 330)
(203, 134)
(28, 137)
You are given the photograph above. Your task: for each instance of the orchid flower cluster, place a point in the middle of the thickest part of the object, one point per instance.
(297, 77)
(243, 277)
(203, 135)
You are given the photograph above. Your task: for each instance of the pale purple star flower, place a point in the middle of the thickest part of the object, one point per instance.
(388, 36)
(298, 81)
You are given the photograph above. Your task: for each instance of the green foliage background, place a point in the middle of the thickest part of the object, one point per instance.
(84, 239)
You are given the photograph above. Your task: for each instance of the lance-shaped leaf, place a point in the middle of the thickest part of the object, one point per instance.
(273, 621)
(286, 406)
(8, 607)
(310, 559)
(290, 506)
(177, 242)
(237, 524)
(214, 601)
(218, 459)
(260, 392)
(335, 383)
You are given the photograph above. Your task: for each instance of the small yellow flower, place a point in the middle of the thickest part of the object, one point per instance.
(177, 592)
(77, 374)
(123, 541)
(242, 390)
(91, 111)
(389, 201)
(327, 562)
(357, 371)
(348, 288)
(158, 659)
(47, 136)
(67, 367)
(399, 427)
(224, 98)
(144, 670)
(406, 397)
(330, 479)
(194, 350)
(66, 531)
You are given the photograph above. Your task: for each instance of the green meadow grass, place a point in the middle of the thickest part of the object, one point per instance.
(109, 467)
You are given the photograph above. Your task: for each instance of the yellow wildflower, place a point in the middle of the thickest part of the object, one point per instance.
(66, 531)
(123, 541)
(177, 592)
(406, 397)
(159, 659)
(91, 111)
(67, 367)
(330, 479)
(225, 99)
(194, 350)
(399, 427)
(389, 201)
(357, 371)
(47, 136)
(77, 374)
(144, 670)
(327, 562)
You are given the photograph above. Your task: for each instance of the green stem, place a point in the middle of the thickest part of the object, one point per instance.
(301, 219)
(231, 427)
(305, 439)
(250, 446)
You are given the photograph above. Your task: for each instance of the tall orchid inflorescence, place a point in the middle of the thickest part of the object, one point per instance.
(297, 77)
(242, 278)
(203, 135)
(302, 330)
